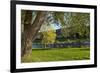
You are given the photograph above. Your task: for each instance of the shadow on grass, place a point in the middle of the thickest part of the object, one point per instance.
(79, 48)
(42, 49)
(85, 49)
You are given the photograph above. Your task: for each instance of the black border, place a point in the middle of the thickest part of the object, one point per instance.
(13, 35)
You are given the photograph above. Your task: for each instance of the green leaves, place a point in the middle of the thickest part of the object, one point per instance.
(59, 16)
(71, 22)
(77, 23)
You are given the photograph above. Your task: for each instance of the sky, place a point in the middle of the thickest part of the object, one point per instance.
(51, 26)
(56, 26)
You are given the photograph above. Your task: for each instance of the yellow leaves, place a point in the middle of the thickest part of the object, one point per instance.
(49, 37)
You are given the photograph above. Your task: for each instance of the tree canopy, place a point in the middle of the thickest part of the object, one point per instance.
(70, 23)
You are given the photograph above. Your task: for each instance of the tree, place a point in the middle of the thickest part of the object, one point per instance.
(30, 30)
(77, 24)
(48, 37)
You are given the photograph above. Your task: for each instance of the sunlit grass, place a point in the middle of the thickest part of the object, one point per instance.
(61, 54)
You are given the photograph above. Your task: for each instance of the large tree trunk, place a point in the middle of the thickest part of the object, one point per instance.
(30, 31)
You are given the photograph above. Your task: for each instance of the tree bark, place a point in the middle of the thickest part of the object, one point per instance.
(30, 31)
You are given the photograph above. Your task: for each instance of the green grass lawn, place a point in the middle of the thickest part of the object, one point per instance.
(63, 54)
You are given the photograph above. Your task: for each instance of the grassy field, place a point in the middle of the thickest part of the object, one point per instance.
(63, 54)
